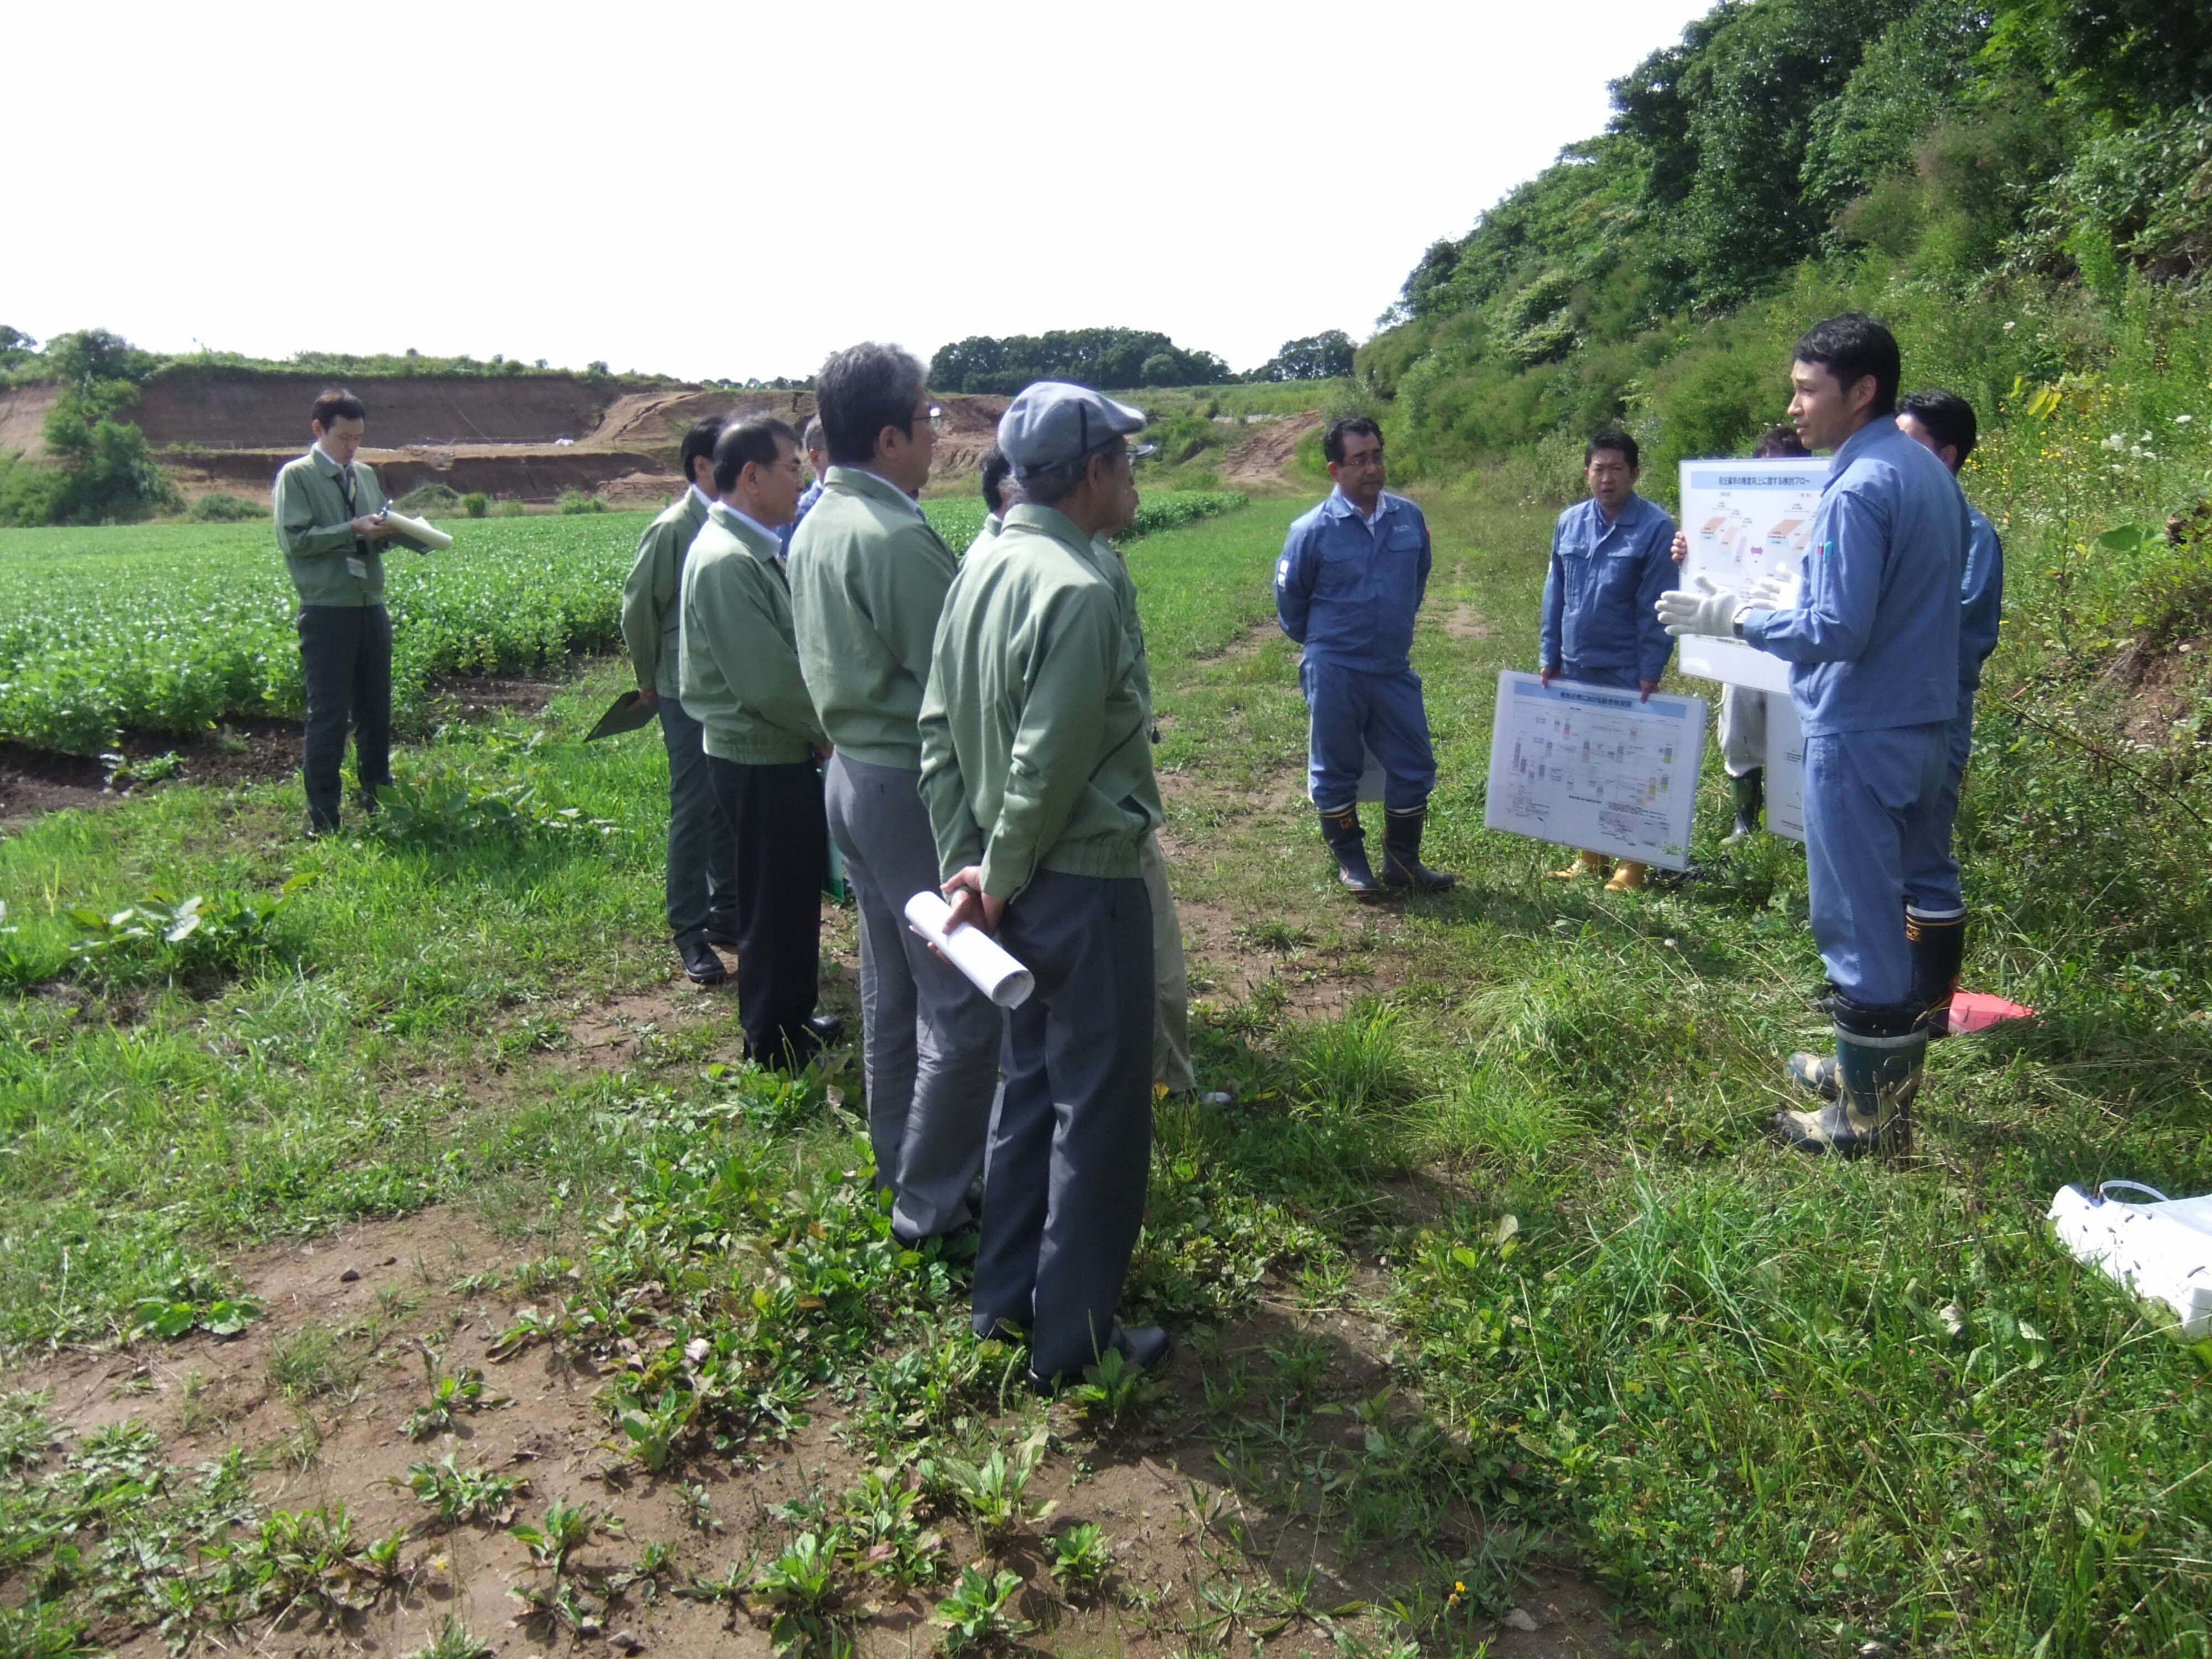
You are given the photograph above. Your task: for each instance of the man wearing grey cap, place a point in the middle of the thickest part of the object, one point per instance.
(1037, 769)
(868, 577)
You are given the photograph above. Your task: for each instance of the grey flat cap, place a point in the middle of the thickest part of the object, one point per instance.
(1056, 421)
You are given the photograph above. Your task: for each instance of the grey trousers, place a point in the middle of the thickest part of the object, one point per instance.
(931, 1042)
(1170, 979)
(702, 854)
(1072, 1148)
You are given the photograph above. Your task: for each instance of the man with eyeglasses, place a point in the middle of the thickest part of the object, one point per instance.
(868, 578)
(1351, 576)
(1038, 768)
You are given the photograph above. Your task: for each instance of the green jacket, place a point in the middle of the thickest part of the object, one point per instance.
(868, 578)
(1115, 567)
(654, 590)
(315, 530)
(740, 676)
(1037, 750)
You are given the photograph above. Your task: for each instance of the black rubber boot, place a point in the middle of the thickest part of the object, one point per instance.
(1875, 1076)
(1342, 833)
(1402, 854)
(1750, 794)
(1938, 949)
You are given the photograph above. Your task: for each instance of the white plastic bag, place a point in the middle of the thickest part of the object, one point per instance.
(2162, 1251)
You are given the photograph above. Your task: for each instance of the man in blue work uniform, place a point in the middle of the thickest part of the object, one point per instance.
(1350, 581)
(1871, 634)
(1612, 557)
(1942, 422)
(818, 462)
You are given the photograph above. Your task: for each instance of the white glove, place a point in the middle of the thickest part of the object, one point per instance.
(1709, 610)
(1776, 592)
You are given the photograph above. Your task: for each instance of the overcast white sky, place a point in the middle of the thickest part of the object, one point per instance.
(737, 190)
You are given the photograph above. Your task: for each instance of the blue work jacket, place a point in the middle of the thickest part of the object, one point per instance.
(1981, 598)
(1348, 594)
(1874, 642)
(807, 497)
(1600, 592)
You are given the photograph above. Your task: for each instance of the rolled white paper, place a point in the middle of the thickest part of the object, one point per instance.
(972, 950)
(418, 529)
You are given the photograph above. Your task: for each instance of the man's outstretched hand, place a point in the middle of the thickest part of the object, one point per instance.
(970, 903)
(1703, 610)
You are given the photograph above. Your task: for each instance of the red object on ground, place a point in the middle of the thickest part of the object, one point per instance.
(1977, 1011)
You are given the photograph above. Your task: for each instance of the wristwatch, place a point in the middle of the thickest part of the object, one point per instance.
(1738, 625)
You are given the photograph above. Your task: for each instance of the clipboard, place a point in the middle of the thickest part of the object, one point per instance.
(625, 714)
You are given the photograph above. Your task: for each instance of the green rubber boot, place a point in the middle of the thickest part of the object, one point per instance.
(1939, 951)
(1750, 794)
(1342, 833)
(1876, 1074)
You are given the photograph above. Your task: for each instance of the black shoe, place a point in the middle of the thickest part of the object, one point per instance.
(1145, 1347)
(828, 1029)
(318, 829)
(701, 965)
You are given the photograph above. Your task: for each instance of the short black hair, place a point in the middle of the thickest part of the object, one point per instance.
(996, 467)
(1051, 485)
(335, 405)
(1851, 346)
(860, 391)
(699, 444)
(1780, 443)
(1948, 417)
(1617, 440)
(754, 439)
(1331, 441)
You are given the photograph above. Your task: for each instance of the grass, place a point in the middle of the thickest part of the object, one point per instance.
(1769, 1405)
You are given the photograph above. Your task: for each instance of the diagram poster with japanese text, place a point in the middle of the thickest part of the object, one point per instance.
(1590, 766)
(1744, 521)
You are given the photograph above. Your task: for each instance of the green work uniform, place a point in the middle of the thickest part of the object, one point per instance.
(868, 579)
(655, 586)
(739, 658)
(314, 529)
(1036, 738)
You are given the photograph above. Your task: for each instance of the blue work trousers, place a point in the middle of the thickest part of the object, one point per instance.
(1352, 711)
(1875, 830)
(1934, 891)
(702, 854)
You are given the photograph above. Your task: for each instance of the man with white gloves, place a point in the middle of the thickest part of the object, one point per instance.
(1871, 634)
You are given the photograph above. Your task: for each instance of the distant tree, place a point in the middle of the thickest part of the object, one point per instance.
(1323, 356)
(15, 347)
(107, 470)
(1095, 356)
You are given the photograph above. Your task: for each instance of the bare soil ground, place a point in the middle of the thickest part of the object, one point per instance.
(1262, 462)
(380, 1297)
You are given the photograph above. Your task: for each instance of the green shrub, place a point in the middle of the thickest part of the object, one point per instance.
(508, 508)
(474, 503)
(432, 497)
(575, 501)
(221, 508)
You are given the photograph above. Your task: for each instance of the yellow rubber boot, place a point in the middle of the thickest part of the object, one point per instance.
(1627, 878)
(1586, 864)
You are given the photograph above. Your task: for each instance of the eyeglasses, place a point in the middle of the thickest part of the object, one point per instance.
(936, 418)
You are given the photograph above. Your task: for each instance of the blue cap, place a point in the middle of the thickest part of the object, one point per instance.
(1055, 420)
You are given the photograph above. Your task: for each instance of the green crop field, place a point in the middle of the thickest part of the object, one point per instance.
(171, 628)
(1490, 1293)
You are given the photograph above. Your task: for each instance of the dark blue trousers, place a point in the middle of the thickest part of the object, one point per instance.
(1352, 711)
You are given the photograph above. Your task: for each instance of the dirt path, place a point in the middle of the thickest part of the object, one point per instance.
(1262, 461)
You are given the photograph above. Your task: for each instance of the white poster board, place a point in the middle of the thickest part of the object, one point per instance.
(1785, 768)
(1745, 520)
(1590, 766)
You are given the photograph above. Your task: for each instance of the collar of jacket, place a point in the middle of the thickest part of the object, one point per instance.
(859, 481)
(1051, 521)
(756, 540)
(329, 468)
(1338, 504)
(1868, 437)
(1633, 511)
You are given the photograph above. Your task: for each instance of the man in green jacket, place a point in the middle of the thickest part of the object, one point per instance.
(701, 881)
(1171, 1066)
(1038, 768)
(868, 577)
(328, 510)
(740, 678)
